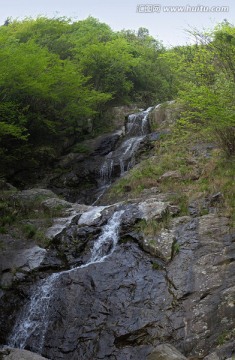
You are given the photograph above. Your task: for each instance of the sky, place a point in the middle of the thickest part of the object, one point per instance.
(166, 20)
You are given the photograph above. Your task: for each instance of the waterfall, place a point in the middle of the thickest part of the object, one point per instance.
(106, 169)
(137, 124)
(137, 127)
(108, 239)
(33, 320)
(32, 324)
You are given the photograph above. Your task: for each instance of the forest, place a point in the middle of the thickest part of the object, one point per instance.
(57, 77)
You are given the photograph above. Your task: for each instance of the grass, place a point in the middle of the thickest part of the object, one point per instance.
(16, 218)
(225, 337)
(29, 230)
(201, 176)
(181, 200)
(81, 148)
(153, 227)
(156, 266)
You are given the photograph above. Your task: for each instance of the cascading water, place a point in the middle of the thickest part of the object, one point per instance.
(137, 124)
(123, 157)
(32, 324)
(33, 321)
(106, 169)
(127, 158)
(106, 243)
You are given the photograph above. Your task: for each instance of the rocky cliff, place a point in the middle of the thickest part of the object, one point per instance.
(133, 279)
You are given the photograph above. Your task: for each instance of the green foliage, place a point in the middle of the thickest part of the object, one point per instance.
(153, 227)
(3, 230)
(81, 148)
(57, 75)
(175, 248)
(151, 76)
(225, 337)
(180, 200)
(156, 266)
(29, 230)
(206, 83)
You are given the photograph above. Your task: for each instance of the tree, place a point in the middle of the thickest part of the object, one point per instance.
(208, 87)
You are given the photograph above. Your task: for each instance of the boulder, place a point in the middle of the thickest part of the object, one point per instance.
(16, 264)
(71, 213)
(152, 209)
(91, 216)
(166, 352)
(160, 245)
(30, 196)
(116, 114)
(26, 260)
(55, 204)
(163, 115)
(174, 174)
(19, 354)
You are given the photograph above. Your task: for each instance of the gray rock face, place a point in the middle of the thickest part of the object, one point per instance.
(71, 212)
(109, 318)
(19, 354)
(127, 305)
(15, 265)
(164, 114)
(160, 245)
(212, 356)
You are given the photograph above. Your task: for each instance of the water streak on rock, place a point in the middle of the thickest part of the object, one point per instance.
(32, 322)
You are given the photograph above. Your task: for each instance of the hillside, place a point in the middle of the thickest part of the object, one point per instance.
(117, 225)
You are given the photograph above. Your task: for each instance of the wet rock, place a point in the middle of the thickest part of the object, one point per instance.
(127, 305)
(92, 216)
(73, 212)
(105, 319)
(166, 352)
(135, 124)
(19, 354)
(107, 144)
